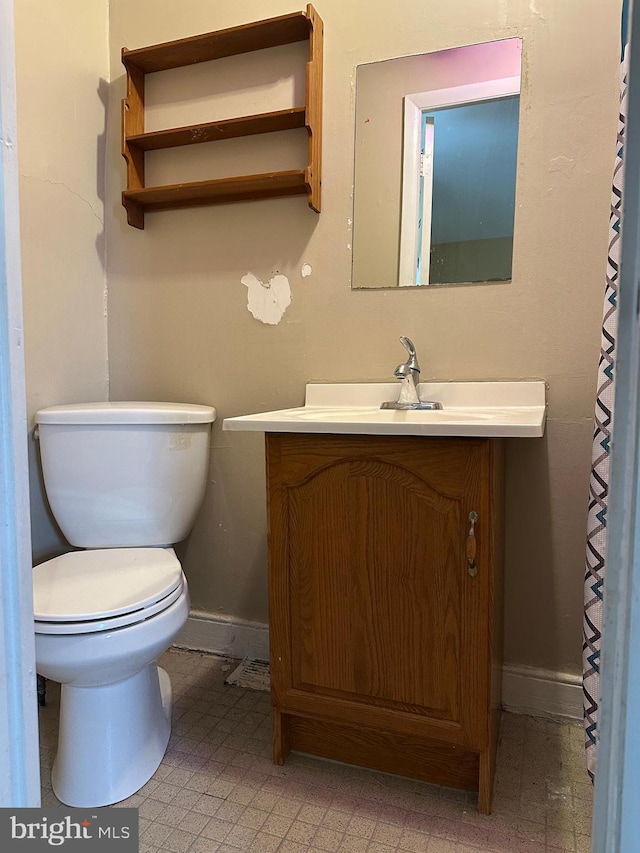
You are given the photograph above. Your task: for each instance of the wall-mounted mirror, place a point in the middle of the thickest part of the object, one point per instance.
(435, 167)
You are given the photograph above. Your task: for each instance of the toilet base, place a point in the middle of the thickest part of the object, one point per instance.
(112, 738)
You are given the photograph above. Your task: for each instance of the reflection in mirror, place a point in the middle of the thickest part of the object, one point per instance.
(435, 167)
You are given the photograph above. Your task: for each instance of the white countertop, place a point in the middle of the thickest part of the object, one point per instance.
(480, 409)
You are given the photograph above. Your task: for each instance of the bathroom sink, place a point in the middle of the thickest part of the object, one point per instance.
(482, 409)
(322, 413)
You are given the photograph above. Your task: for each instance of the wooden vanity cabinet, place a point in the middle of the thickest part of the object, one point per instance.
(385, 602)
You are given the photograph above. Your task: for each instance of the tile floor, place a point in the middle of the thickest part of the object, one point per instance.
(217, 791)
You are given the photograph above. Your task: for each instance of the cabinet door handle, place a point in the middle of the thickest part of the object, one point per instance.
(471, 544)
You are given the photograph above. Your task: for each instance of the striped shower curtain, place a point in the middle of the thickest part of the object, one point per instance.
(596, 560)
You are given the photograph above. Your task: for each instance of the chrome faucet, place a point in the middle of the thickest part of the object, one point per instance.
(409, 374)
(409, 370)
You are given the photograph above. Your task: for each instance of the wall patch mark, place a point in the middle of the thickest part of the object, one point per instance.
(267, 302)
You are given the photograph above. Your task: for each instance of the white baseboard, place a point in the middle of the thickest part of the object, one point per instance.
(525, 690)
(541, 692)
(223, 635)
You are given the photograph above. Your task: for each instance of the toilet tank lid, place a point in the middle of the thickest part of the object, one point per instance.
(127, 413)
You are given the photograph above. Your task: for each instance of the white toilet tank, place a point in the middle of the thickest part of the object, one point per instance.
(125, 474)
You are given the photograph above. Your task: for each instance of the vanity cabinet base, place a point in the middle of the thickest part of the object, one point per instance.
(427, 760)
(430, 761)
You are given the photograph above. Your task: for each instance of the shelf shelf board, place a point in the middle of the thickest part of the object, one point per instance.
(215, 130)
(272, 32)
(219, 191)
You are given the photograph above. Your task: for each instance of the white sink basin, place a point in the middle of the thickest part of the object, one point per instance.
(482, 409)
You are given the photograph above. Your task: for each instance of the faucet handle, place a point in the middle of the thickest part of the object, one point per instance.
(408, 345)
(412, 362)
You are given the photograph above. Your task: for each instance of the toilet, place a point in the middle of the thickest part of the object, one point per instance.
(124, 482)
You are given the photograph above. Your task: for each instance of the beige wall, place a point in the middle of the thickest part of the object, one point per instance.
(62, 89)
(179, 328)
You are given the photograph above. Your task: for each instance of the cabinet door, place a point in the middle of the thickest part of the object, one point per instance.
(375, 619)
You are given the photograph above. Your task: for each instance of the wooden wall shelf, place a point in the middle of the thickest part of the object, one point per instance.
(286, 29)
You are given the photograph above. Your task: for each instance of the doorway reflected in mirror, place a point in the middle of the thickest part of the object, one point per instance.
(435, 167)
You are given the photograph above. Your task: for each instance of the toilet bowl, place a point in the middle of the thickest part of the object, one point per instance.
(104, 615)
(115, 703)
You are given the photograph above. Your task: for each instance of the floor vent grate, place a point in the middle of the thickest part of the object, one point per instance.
(250, 674)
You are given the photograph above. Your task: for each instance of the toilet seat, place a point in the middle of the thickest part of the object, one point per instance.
(88, 591)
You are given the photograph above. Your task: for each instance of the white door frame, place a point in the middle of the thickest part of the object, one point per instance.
(616, 820)
(19, 748)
